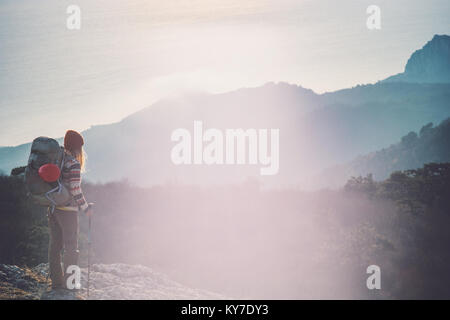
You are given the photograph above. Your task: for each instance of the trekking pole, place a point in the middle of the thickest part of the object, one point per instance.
(49, 215)
(89, 256)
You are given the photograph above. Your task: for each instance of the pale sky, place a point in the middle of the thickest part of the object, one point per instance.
(128, 54)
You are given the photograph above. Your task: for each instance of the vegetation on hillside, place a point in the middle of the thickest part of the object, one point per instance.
(414, 150)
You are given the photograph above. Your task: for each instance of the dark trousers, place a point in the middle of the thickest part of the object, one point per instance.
(63, 235)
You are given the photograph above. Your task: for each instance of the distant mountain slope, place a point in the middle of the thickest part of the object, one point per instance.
(414, 150)
(316, 131)
(431, 64)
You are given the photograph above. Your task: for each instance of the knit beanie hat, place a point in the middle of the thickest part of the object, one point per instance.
(73, 140)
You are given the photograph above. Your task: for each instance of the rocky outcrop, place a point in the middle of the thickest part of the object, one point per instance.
(107, 282)
(21, 283)
(431, 64)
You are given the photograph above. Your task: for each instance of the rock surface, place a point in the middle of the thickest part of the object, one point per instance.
(431, 64)
(107, 282)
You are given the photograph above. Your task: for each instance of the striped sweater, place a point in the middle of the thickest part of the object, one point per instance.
(71, 178)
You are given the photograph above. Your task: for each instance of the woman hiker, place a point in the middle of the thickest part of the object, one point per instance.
(63, 221)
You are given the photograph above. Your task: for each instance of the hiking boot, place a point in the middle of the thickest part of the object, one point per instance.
(57, 287)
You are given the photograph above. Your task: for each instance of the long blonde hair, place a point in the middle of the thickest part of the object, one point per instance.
(81, 156)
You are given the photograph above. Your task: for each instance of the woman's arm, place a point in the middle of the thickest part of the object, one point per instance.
(73, 177)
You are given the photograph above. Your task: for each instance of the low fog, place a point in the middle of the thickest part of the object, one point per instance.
(245, 242)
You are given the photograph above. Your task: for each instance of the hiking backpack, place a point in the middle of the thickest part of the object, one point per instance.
(46, 150)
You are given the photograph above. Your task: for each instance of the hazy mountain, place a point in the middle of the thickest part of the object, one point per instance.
(431, 64)
(316, 131)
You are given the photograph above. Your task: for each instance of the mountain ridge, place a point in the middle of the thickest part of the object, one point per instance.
(430, 64)
(318, 130)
